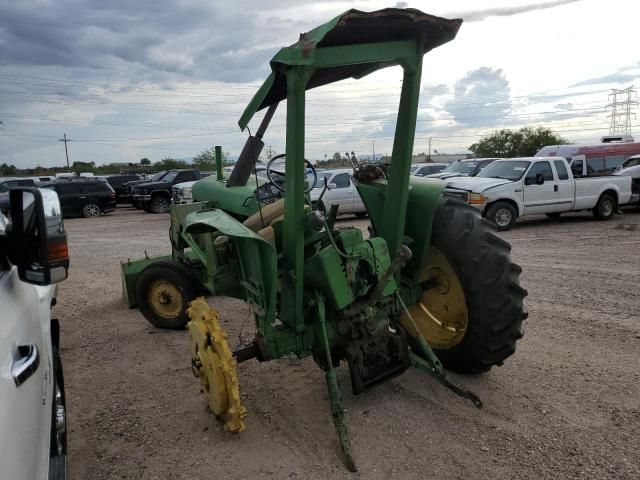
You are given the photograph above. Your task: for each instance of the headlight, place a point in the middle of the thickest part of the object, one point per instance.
(186, 192)
(476, 199)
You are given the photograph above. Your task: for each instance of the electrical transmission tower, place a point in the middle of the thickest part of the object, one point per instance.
(620, 105)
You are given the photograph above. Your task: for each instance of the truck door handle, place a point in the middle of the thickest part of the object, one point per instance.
(26, 364)
(555, 188)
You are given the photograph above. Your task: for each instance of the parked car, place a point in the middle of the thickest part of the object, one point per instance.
(119, 184)
(86, 198)
(155, 196)
(424, 169)
(517, 187)
(464, 168)
(9, 182)
(631, 168)
(44, 178)
(32, 394)
(340, 191)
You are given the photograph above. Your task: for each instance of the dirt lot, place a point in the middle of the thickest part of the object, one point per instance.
(566, 405)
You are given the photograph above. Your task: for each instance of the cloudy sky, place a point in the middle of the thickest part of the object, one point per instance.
(156, 78)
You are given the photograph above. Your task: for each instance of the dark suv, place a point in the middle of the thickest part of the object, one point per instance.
(87, 198)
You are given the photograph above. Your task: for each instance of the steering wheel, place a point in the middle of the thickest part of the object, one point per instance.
(277, 186)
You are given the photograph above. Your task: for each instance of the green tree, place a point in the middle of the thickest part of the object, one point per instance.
(145, 161)
(205, 160)
(8, 169)
(524, 142)
(169, 163)
(83, 166)
(337, 157)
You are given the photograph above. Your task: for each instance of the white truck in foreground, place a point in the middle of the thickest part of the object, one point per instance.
(513, 188)
(33, 258)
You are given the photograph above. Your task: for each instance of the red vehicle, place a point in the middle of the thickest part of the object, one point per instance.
(599, 159)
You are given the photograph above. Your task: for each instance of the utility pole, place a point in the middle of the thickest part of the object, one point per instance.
(429, 149)
(620, 103)
(66, 152)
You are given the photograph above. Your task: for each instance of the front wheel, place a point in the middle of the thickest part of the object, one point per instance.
(605, 208)
(159, 204)
(164, 291)
(58, 441)
(472, 305)
(503, 215)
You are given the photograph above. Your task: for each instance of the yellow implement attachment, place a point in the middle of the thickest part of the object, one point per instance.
(213, 363)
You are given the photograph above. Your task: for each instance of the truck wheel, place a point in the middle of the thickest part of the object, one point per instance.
(58, 441)
(164, 291)
(605, 208)
(503, 215)
(159, 204)
(472, 316)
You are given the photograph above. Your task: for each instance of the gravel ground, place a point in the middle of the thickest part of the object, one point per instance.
(566, 405)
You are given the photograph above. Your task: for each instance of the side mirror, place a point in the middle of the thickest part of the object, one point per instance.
(37, 239)
(331, 186)
(539, 178)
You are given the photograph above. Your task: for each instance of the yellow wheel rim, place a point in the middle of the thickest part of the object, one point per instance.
(441, 314)
(165, 299)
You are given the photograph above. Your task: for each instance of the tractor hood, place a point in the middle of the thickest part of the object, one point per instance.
(475, 184)
(356, 28)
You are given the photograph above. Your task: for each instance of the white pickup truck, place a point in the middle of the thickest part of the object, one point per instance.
(517, 187)
(33, 257)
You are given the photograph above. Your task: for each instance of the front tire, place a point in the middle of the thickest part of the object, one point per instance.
(503, 215)
(159, 204)
(163, 293)
(58, 441)
(605, 208)
(478, 289)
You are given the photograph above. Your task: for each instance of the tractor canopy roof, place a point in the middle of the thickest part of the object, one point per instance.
(353, 27)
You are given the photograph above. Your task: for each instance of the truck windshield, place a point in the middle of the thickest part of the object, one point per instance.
(169, 177)
(461, 167)
(158, 176)
(507, 170)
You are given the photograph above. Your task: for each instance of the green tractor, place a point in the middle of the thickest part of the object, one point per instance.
(432, 287)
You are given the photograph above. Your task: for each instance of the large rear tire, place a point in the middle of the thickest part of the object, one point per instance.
(164, 291)
(479, 285)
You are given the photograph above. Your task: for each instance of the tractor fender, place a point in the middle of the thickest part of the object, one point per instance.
(424, 195)
(255, 257)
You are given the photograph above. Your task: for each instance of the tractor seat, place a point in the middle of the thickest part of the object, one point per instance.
(262, 222)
